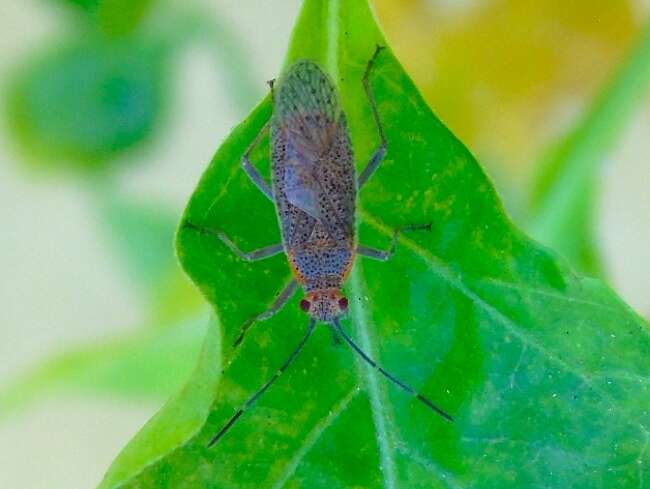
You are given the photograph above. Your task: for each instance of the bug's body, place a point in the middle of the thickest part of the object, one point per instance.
(314, 184)
(314, 190)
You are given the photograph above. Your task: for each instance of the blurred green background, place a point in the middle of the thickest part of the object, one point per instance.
(111, 109)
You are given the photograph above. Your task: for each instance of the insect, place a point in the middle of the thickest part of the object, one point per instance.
(314, 189)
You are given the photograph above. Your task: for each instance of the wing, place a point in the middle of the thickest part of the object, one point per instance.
(310, 188)
(313, 170)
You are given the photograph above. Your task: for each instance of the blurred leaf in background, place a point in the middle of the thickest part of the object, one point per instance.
(520, 79)
(508, 75)
(88, 100)
(564, 195)
(113, 17)
(142, 234)
(150, 363)
(85, 100)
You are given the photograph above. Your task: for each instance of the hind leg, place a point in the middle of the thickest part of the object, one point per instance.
(251, 171)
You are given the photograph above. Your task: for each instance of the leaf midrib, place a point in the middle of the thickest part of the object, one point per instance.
(376, 395)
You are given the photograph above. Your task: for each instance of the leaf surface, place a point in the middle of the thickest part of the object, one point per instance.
(545, 373)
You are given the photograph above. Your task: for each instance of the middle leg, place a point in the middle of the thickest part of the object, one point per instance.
(251, 171)
(250, 256)
(255, 255)
(384, 255)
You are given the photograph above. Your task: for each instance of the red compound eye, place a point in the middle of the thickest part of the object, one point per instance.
(343, 303)
(305, 305)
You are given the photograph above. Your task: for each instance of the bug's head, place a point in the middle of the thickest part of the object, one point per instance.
(324, 305)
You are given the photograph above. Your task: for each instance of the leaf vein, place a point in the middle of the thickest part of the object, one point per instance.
(313, 436)
(429, 466)
(441, 270)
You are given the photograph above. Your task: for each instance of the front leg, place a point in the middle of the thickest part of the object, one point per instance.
(380, 152)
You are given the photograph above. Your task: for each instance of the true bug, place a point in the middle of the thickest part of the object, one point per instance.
(314, 191)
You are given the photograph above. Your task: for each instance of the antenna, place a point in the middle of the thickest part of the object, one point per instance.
(389, 376)
(253, 398)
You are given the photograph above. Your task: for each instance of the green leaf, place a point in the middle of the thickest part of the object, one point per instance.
(545, 372)
(565, 190)
(85, 101)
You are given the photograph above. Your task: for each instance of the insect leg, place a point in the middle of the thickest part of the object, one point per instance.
(271, 84)
(382, 255)
(251, 171)
(380, 152)
(254, 255)
(336, 341)
(278, 303)
(388, 375)
(253, 398)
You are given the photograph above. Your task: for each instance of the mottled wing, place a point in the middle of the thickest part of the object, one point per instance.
(313, 170)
